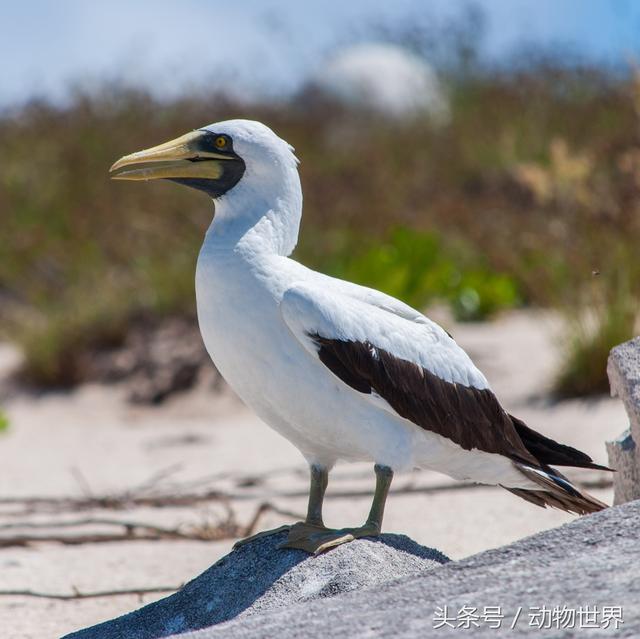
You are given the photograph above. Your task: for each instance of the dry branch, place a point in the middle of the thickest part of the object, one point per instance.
(32, 505)
(88, 595)
(134, 531)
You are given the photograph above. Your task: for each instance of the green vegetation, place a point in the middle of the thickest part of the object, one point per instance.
(420, 267)
(4, 422)
(592, 329)
(533, 186)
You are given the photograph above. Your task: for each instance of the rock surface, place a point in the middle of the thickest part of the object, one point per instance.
(623, 370)
(589, 562)
(259, 577)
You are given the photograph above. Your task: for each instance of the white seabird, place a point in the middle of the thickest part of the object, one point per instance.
(342, 371)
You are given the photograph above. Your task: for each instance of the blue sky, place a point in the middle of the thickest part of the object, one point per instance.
(253, 45)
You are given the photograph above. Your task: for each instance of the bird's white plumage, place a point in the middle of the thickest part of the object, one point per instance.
(256, 308)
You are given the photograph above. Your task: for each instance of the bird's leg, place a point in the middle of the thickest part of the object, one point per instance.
(315, 538)
(373, 526)
(313, 522)
(317, 488)
(384, 476)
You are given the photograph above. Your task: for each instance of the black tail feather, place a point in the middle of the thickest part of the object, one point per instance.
(549, 452)
(555, 490)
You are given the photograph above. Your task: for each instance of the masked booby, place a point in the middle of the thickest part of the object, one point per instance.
(342, 371)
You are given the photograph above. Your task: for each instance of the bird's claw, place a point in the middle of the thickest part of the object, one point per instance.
(318, 539)
(264, 533)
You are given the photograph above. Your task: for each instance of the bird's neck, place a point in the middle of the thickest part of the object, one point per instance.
(259, 215)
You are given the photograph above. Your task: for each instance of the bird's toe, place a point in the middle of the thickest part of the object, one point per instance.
(318, 539)
(264, 533)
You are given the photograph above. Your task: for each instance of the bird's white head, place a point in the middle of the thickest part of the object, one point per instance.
(244, 166)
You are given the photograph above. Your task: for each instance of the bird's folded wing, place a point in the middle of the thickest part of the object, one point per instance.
(418, 372)
(385, 302)
(317, 309)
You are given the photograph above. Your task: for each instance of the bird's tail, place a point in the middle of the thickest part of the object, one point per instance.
(551, 453)
(555, 490)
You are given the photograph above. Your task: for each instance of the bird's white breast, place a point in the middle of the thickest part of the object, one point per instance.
(239, 316)
(239, 320)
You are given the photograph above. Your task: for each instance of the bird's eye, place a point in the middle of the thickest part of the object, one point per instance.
(221, 142)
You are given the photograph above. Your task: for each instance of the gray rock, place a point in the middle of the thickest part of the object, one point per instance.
(260, 577)
(592, 561)
(623, 370)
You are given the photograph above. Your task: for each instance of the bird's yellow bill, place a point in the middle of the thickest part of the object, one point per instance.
(184, 157)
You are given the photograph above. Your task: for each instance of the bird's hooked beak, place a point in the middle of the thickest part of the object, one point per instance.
(193, 156)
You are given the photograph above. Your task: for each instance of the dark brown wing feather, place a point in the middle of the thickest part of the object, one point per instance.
(470, 417)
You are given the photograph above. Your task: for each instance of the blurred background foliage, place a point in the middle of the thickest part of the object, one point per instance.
(528, 196)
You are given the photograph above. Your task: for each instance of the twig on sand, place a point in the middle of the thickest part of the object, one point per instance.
(228, 528)
(149, 485)
(88, 595)
(82, 481)
(263, 508)
(124, 501)
(132, 531)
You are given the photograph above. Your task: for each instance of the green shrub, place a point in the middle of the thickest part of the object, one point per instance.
(419, 268)
(4, 421)
(609, 320)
